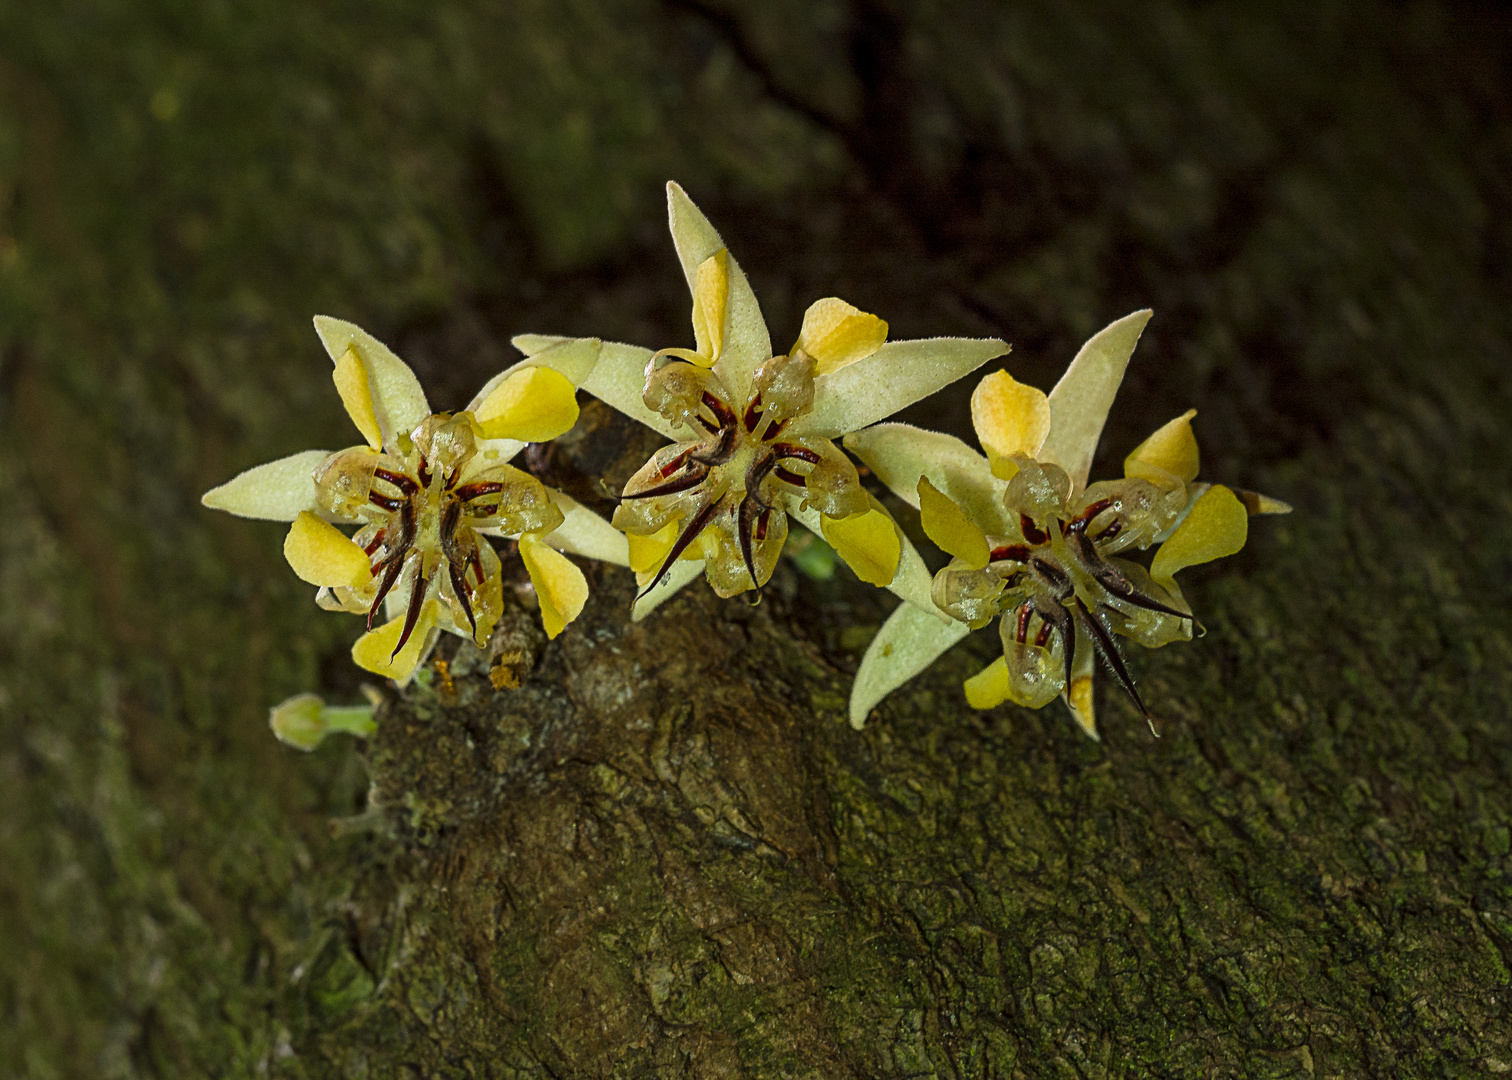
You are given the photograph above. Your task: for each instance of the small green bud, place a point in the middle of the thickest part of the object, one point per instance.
(304, 720)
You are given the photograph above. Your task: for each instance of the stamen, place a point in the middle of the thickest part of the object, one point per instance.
(710, 426)
(789, 477)
(383, 502)
(469, 492)
(412, 614)
(788, 450)
(1021, 631)
(399, 480)
(720, 410)
(1091, 512)
(696, 526)
(1031, 531)
(761, 524)
(1109, 652)
(775, 430)
(1111, 531)
(376, 542)
(425, 473)
(676, 463)
(1010, 553)
(1041, 638)
(753, 413)
(476, 564)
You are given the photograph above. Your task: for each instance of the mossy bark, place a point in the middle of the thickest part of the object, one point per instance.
(666, 853)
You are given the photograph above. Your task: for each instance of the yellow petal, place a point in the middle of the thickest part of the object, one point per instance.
(836, 333)
(351, 379)
(1010, 419)
(532, 405)
(989, 687)
(648, 552)
(372, 651)
(711, 298)
(1217, 526)
(322, 555)
(559, 584)
(1171, 450)
(868, 543)
(948, 526)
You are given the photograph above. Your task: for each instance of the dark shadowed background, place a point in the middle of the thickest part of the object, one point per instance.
(1307, 876)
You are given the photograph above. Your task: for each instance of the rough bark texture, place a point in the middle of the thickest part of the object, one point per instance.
(666, 854)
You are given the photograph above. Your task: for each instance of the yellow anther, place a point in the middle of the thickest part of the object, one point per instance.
(351, 379)
(836, 334)
(535, 404)
(559, 584)
(1218, 525)
(948, 526)
(1011, 419)
(322, 555)
(868, 543)
(1169, 452)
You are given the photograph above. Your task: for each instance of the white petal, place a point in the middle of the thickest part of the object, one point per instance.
(398, 400)
(1080, 401)
(892, 378)
(619, 380)
(913, 579)
(746, 343)
(573, 357)
(679, 574)
(585, 533)
(900, 453)
(277, 491)
(530, 344)
(910, 640)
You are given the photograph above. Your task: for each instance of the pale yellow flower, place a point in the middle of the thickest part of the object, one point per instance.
(754, 430)
(426, 489)
(1034, 543)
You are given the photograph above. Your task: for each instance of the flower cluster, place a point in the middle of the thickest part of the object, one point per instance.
(753, 444)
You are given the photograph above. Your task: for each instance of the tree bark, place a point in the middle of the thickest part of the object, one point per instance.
(666, 853)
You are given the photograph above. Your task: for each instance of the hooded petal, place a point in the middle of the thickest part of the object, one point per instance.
(900, 454)
(746, 342)
(398, 401)
(892, 378)
(582, 532)
(912, 638)
(678, 574)
(278, 491)
(1080, 402)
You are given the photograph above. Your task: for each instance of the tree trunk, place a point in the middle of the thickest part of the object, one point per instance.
(665, 853)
